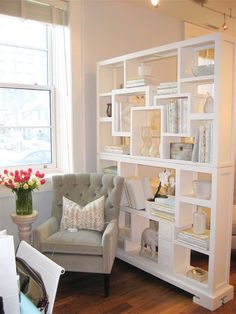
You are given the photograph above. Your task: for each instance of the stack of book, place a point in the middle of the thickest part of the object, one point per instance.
(117, 149)
(167, 88)
(162, 207)
(140, 81)
(110, 169)
(176, 116)
(203, 143)
(198, 240)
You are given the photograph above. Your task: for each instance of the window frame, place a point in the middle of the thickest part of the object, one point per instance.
(51, 89)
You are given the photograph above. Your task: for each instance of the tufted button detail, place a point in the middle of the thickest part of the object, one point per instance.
(80, 194)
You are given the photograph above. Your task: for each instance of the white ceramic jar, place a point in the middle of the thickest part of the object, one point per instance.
(199, 221)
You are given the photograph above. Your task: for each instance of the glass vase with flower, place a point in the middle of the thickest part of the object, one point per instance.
(22, 183)
(166, 184)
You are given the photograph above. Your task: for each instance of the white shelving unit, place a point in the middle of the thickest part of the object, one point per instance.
(136, 107)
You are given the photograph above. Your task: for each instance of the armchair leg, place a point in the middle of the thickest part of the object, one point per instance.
(106, 284)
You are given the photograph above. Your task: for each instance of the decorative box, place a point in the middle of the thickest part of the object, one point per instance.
(206, 69)
(181, 151)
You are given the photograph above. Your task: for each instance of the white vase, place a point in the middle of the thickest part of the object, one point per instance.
(147, 140)
(199, 221)
(208, 106)
(154, 150)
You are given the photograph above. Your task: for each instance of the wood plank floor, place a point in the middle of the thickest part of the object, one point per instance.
(132, 291)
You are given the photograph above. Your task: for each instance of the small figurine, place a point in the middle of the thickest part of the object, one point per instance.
(149, 239)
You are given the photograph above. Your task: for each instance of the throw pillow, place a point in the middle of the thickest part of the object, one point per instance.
(89, 217)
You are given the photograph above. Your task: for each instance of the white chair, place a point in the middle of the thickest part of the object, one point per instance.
(8, 279)
(49, 270)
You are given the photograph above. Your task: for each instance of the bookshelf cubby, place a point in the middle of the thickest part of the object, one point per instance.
(164, 91)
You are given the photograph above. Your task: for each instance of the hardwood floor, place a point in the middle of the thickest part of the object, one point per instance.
(131, 291)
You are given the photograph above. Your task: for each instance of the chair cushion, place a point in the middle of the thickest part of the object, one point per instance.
(81, 242)
(89, 217)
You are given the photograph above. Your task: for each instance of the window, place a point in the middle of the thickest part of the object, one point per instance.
(26, 94)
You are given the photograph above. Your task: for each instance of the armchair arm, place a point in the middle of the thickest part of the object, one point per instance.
(43, 231)
(109, 243)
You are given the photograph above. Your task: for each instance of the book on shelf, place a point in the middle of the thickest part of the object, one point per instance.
(203, 143)
(117, 149)
(168, 202)
(140, 81)
(176, 115)
(208, 138)
(172, 117)
(122, 114)
(163, 205)
(163, 215)
(168, 84)
(198, 240)
(136, 191)
(189, 232)
(195, 147)
(147, 188)
(166, 91)
(110, 169)
(167, 88)
(183, 126)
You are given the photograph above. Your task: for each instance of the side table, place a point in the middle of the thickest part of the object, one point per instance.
(24, 224)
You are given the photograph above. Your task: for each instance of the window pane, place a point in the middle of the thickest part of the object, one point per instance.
(25, 146)
(19, 32)
(21, 107)
(20, 65)
(25, 109)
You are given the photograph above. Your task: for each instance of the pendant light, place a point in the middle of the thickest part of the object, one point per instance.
(224, 26)
(155, 3)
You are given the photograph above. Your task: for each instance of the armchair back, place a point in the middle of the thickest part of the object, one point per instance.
(83, 188)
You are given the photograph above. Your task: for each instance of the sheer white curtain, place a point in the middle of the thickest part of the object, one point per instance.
(61, 74)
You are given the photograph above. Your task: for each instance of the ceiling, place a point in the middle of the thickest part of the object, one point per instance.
(205, 16)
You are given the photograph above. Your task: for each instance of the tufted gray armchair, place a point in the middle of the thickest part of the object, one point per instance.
(85, 250)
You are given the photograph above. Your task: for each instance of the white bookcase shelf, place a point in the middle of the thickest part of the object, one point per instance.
(192, 247)
(198, 79)
(159, 121)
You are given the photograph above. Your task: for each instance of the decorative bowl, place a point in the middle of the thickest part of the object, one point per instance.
(201, 70)
(202, 189)
(198, 274)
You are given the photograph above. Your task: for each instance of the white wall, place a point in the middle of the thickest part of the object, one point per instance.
(100, 29)
(113, 28)
(42, 201)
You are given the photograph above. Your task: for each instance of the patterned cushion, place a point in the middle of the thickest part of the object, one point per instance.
(89, 217)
